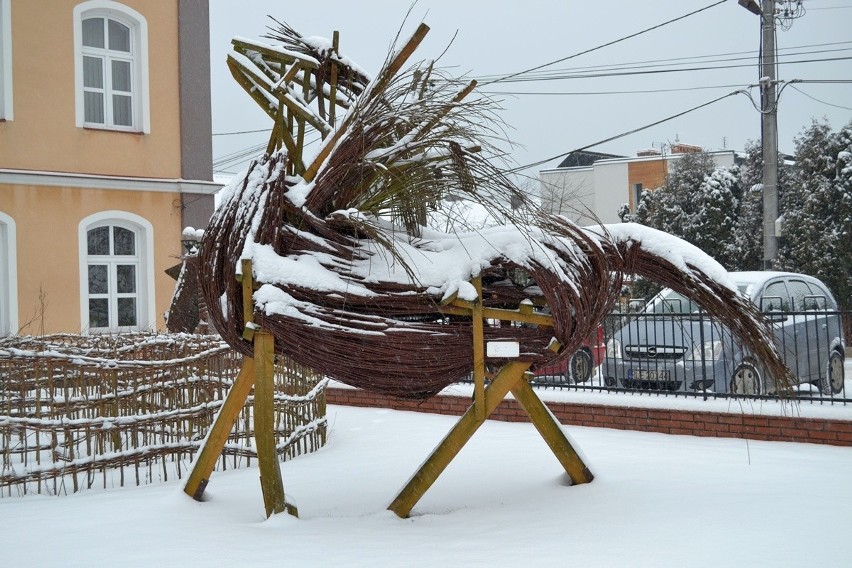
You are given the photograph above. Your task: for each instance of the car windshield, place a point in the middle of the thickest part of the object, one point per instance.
(670, 302)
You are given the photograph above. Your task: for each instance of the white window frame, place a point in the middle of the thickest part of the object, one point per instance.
(8, 277)
(139, 75)
(6, 60)
(144, 231)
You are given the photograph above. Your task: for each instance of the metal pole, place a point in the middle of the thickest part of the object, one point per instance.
(769, 133)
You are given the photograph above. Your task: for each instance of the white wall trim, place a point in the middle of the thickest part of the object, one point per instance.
(90, 181)
(6, 111)
(146, 256)
(140, 31)
(9, 274)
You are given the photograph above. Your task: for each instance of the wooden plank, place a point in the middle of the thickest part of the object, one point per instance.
(205, 460)
(264, 423)
(478, 325)
(332, 95)
(243, 47)
(248, 299)
(462, 308)
(551, 431)
(250, 88)
(453, 442)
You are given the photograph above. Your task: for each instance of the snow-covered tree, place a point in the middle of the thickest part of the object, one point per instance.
(818, 210)
(698, 202)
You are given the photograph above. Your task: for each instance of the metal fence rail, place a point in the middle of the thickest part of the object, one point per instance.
(693, 355)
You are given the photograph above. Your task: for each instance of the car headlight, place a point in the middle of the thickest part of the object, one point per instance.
(710, 350)
(613, 349)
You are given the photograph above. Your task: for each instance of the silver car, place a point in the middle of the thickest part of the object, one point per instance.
(672, 345)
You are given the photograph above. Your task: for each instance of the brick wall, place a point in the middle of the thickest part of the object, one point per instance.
(712, 424)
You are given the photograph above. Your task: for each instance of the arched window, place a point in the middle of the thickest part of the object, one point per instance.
(116, 277)
(111, 64)
(8, 277)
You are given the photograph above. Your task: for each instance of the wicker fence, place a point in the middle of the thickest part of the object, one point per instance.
(83, 411)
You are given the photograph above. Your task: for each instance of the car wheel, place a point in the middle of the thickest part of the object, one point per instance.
(832, 382)
(746, 380)
(581, 366)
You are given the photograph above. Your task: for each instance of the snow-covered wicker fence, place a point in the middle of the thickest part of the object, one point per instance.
(84, 411)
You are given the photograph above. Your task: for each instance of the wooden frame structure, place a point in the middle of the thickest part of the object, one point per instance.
(512, 377)
(287, 84)
(257, 372)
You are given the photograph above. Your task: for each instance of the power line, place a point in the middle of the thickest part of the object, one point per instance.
(627, 92)
(628, 133)
(818, 100)
(242, 132)
(624, 38)
(671, 62)
(661, 71)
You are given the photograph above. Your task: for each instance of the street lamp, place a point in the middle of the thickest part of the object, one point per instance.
(751, 6)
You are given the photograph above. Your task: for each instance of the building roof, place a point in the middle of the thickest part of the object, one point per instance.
(584, 158)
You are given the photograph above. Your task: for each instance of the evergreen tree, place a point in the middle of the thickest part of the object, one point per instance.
(817, 236)
(698, 202)
(748, 237)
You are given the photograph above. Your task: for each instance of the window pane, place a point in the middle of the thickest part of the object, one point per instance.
(119, 36)
(126, 278)
(126, 312)
(93, 32)
(94, 107)
(121, 111)
(98, 279)
(121, 76)
(98, 240)
(93, 72)
(99, 312)
(124, 241)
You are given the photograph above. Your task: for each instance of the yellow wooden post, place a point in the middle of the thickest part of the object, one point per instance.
(478, 324)
(205, 460)
(264, 423)
(551, 431)
(450, 446)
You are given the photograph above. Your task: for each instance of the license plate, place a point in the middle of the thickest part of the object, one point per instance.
(648, 375)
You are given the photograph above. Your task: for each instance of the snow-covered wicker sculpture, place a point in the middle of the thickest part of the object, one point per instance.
(349, 281)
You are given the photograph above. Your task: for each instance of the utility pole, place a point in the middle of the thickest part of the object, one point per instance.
(766, 9)
(769, 133)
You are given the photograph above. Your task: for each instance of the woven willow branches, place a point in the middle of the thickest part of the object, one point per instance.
(350, 282)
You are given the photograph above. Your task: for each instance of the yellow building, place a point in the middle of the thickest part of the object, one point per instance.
(105, 155)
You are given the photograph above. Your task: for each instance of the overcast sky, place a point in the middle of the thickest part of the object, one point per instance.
(500, 38)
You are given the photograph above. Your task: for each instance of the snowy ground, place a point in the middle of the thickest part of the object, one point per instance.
(657, 500)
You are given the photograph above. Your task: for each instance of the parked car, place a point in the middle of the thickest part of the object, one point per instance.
(579, 366)
(674, 345)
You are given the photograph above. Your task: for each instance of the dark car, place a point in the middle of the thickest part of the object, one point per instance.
(580, 366)
(673, 345)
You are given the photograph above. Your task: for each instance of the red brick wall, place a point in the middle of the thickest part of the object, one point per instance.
(713, 424)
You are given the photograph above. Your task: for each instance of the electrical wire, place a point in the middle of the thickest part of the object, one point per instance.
(818, 100)
(627, 92)
(624, 38)
(627, 133)
(672, 62)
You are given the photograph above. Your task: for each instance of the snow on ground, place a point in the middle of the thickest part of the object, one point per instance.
(657, 500)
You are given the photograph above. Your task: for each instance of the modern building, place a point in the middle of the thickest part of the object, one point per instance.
(589, 187)
(105, 156)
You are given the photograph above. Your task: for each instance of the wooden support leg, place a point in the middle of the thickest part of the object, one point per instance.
(551, 431)
(450, 446)
(205, 461)
(264, 425)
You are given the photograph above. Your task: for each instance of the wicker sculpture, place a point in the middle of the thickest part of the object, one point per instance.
(331, 257)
